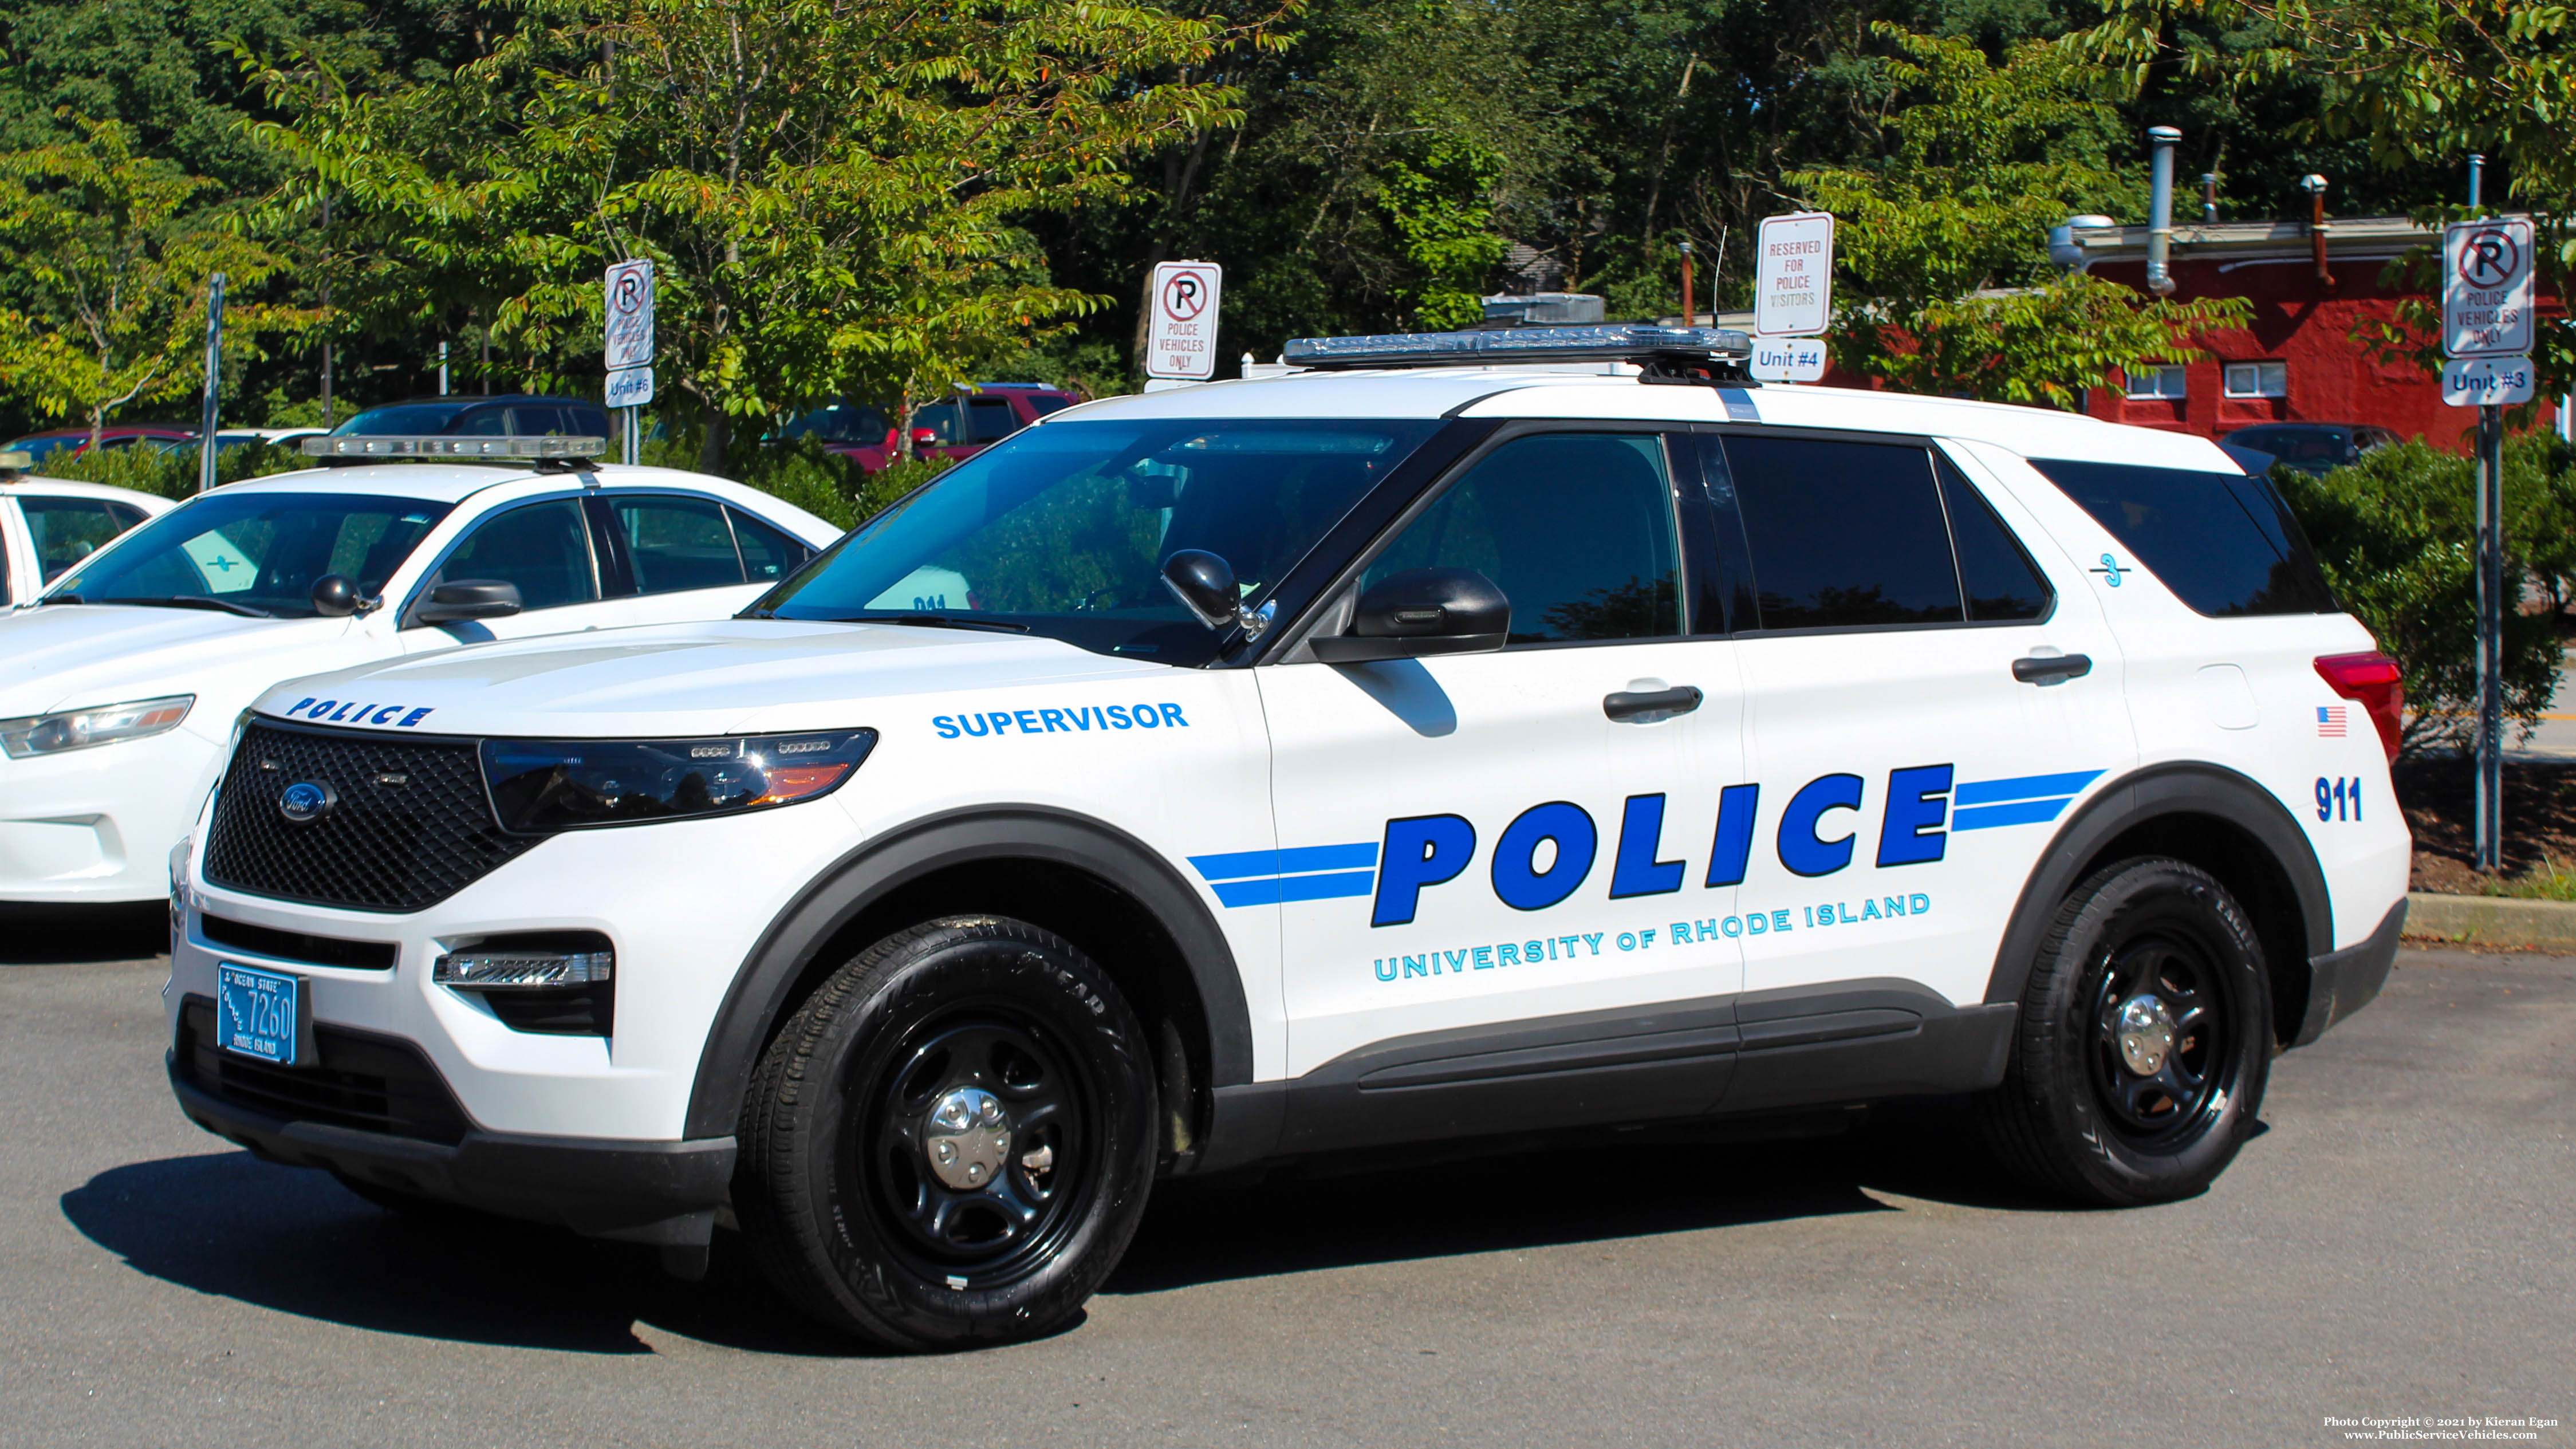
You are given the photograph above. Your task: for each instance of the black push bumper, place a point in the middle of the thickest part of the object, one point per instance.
(2343, 982)
(665, 1193)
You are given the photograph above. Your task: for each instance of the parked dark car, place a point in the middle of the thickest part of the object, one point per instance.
(72, 442)
(955, 428)
(512, 415)
(2317, 448)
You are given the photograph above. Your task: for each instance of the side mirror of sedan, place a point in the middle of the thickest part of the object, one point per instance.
(1422, 612)
(335, 597)
(468, 599)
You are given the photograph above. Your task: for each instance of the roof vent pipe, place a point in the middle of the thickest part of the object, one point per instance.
(2160, 209)
(2315, 186)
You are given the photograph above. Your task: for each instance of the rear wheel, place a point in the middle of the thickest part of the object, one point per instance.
(952, 1141)
(2144, 1041)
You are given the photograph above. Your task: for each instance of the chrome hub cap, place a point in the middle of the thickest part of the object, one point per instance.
(2146, 1031)
(969, 1138)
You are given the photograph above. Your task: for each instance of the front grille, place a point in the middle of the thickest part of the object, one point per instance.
(362, 1081)
(411, 825)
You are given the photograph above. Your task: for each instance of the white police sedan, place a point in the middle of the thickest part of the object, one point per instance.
(119, 688)
(49, 524)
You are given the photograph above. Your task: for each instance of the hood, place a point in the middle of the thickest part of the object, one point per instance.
(730, 676)
(65, 656)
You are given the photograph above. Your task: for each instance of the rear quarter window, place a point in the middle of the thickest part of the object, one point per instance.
(2225, 543)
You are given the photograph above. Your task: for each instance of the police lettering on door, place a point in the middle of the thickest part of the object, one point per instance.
(1546, 854)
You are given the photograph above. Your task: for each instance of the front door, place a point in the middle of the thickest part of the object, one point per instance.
(1472, 841)
(545, 549)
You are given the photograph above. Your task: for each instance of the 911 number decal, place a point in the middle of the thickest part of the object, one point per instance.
(2338, 799)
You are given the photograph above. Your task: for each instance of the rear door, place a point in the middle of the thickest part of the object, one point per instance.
(1927, 693)
(684, 556)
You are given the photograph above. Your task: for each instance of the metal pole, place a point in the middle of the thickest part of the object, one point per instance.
(2491, 606)
(633, 441)
(2160, 158)
(442, 369)
(206, 414)
(329, 349)
(2489, 850)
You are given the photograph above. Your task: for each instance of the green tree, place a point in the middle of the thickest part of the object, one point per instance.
(108, 271)
(830, 189)
(1944, 287)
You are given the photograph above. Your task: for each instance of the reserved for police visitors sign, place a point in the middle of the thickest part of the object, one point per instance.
(1793, 289)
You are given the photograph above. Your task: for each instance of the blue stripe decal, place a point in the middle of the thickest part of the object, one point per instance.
(1327, 887)
(1243, 863)
(1263, 892)
(2026, 787)
(2020, 812)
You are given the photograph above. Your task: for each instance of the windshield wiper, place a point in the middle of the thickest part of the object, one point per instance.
(197, 601)
(60, 599)
(935, 621)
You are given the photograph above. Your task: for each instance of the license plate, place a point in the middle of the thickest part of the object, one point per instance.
(258, 1014)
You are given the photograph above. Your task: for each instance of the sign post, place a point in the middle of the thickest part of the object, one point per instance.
(2487, 334)
(1793, 295)
(629, 313)
(1180, 335)
(211, 407)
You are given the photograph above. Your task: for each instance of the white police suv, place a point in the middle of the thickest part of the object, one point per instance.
(49, 524)
(1429, 745)
(119, 687)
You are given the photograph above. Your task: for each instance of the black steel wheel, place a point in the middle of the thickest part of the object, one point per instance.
(952, 1140)
(2144, 1043)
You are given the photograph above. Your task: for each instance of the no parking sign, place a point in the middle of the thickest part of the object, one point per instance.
(1180, 337)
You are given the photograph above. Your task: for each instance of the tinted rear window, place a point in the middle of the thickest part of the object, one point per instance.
(2223, 542)
(1843, 535)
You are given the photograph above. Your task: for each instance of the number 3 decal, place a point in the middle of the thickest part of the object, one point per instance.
(2338, 799)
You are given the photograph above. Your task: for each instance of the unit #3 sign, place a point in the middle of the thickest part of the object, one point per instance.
(1180, 339)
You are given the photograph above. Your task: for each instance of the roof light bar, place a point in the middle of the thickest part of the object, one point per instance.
(1638, 342)
(16, 460)
(536, 448)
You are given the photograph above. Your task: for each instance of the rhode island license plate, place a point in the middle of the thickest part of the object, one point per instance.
(258, 1013)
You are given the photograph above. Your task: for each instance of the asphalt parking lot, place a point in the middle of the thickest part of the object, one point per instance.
(2400, 1242)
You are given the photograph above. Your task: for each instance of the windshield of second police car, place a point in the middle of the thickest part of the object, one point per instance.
(1062, 530)
(257, 552)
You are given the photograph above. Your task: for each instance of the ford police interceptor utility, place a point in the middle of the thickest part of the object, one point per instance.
(1424, 746)
(49, 524)
(119, 688)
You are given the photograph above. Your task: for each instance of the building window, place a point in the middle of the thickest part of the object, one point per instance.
(2258, 379)
(2155, 380)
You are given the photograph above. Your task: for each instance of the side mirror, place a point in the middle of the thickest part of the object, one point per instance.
(334, 597)
(1422, 612)
(925, 437)
(468, 599)
(1205, 584)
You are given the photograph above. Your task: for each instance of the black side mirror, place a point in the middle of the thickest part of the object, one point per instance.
(468, 599)
(1205, 583)
(1422, 612)
(334, 597)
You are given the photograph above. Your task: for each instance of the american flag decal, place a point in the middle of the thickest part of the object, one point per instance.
(2330, 721)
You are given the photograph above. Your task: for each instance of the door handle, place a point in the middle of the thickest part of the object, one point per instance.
(2047, 669)
(1648, 706)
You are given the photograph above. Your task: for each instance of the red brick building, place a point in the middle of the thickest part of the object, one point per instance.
(2298, 361)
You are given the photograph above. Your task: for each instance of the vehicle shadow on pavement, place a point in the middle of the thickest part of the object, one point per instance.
(32, 935)
(1332, 1215)
(294, 1241)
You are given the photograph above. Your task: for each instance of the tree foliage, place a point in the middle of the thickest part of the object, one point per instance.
(112, 270)
(1943, 289)
(830, 189)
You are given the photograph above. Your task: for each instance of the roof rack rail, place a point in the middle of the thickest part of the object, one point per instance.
(1714, 354)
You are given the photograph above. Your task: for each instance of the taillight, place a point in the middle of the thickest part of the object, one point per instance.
(2374, 682)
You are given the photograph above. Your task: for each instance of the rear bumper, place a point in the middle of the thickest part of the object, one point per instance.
(2343, 982)
(665, 1193)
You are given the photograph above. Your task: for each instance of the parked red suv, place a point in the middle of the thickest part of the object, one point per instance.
(957, 428)
(115, 435)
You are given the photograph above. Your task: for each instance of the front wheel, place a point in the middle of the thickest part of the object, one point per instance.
(2144, 1041)
(952, 1140)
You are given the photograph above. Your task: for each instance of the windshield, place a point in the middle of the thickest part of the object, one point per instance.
(841, 423)
(257, 552)
(1062, 530)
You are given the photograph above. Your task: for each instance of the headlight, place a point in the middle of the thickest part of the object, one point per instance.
(78, 729)
(540, 786)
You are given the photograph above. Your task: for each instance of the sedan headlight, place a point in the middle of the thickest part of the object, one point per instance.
(541, 786)
(78, 729)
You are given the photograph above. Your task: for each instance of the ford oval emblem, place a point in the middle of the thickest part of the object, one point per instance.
(306, 801)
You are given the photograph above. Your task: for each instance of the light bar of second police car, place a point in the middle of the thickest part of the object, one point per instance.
(1637, 342)
(508, 448)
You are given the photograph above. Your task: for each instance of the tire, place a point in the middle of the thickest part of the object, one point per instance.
(2144, 1042)
(970, 1038)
